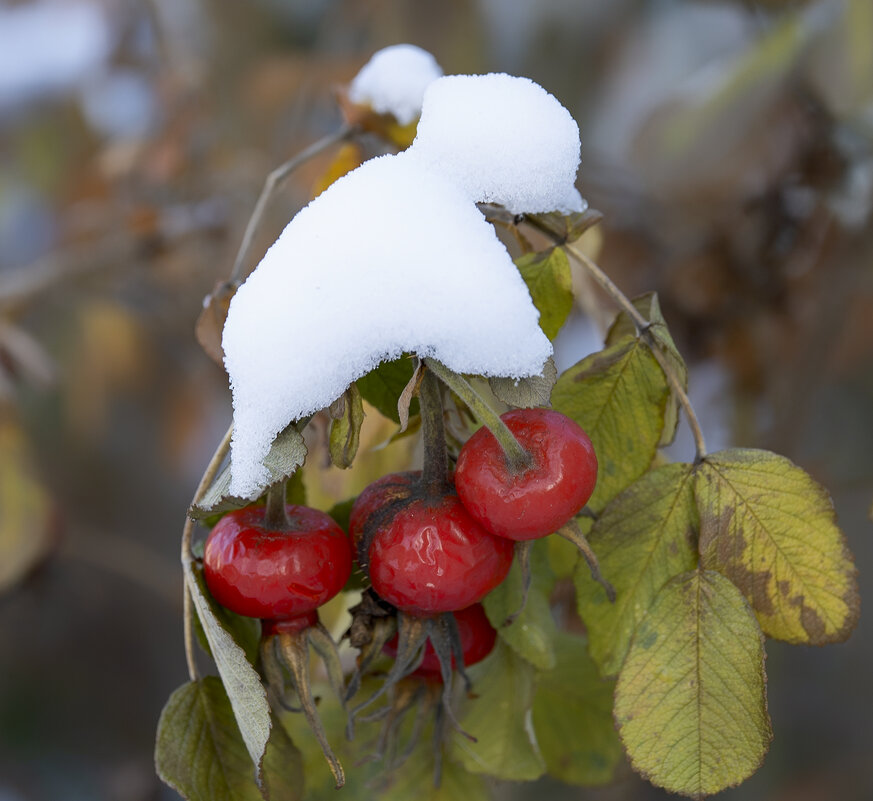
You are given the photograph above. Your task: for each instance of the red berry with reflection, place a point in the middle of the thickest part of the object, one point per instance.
(257, 571)
(431, 557)
(538, 500)
(477, 641)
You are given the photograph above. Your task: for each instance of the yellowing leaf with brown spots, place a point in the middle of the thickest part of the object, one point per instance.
(771, 529)
(690, 702)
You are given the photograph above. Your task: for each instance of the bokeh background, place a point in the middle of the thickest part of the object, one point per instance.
(728, 144)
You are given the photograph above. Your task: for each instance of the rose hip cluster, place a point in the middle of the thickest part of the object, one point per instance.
(433, 546)
(428, 554)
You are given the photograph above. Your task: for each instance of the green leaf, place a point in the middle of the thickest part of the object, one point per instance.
(414, 780)
(690, 702)
(287, 453)
(345, 430)
(526, 392)
(566, 227)
(647, 305)
(382, 387)
(200, 754)
(564, 556)
(550, 283)
(572, 717)
(771, 529)
(498, 716)
(618, 396)
(342, 511)
(531, 635)
(248, 698)
(645, 537)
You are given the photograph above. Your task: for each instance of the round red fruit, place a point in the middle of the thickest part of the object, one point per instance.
(432, 557)
(536, 501)
(257, 571)
(477, 641)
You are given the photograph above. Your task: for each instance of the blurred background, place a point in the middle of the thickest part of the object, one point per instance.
(728, 144)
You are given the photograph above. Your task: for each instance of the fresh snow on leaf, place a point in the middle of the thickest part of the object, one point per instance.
(502, 140)
(393, 81)
(391, 259)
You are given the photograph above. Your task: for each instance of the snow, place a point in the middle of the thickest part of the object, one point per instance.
(49, 47)
(396, 258)
(503, 140)
(393, 81)
(391, 258)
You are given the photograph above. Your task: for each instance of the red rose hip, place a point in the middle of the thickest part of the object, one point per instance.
(539, 499)
(432, 557)
(257, 571)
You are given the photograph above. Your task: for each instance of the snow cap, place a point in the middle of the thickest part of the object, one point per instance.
(502, 140)
(393, 81)
(391, 258)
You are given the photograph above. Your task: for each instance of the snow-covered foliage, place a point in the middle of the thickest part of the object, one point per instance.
(393, 81)
(395, 257)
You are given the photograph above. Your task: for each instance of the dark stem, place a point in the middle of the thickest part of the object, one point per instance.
(276, 517)
(435, 474)
(517, 458)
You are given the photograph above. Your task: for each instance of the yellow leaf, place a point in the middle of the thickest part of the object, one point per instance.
(771, 529)
(690, 702)
(645, 537)
(348, 157)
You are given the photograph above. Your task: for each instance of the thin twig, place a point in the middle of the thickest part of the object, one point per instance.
(643, 327)
(274, 180)
(188, 558)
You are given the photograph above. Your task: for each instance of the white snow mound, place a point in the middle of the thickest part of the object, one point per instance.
(393, 81)
(502, 140)
(391, 258)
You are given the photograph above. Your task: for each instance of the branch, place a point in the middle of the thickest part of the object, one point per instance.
(274, 180)
(643, 327)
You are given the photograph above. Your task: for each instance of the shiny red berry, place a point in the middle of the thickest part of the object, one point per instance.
(538, 500)
(276, 574)
(477, 641)
(431, 556)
